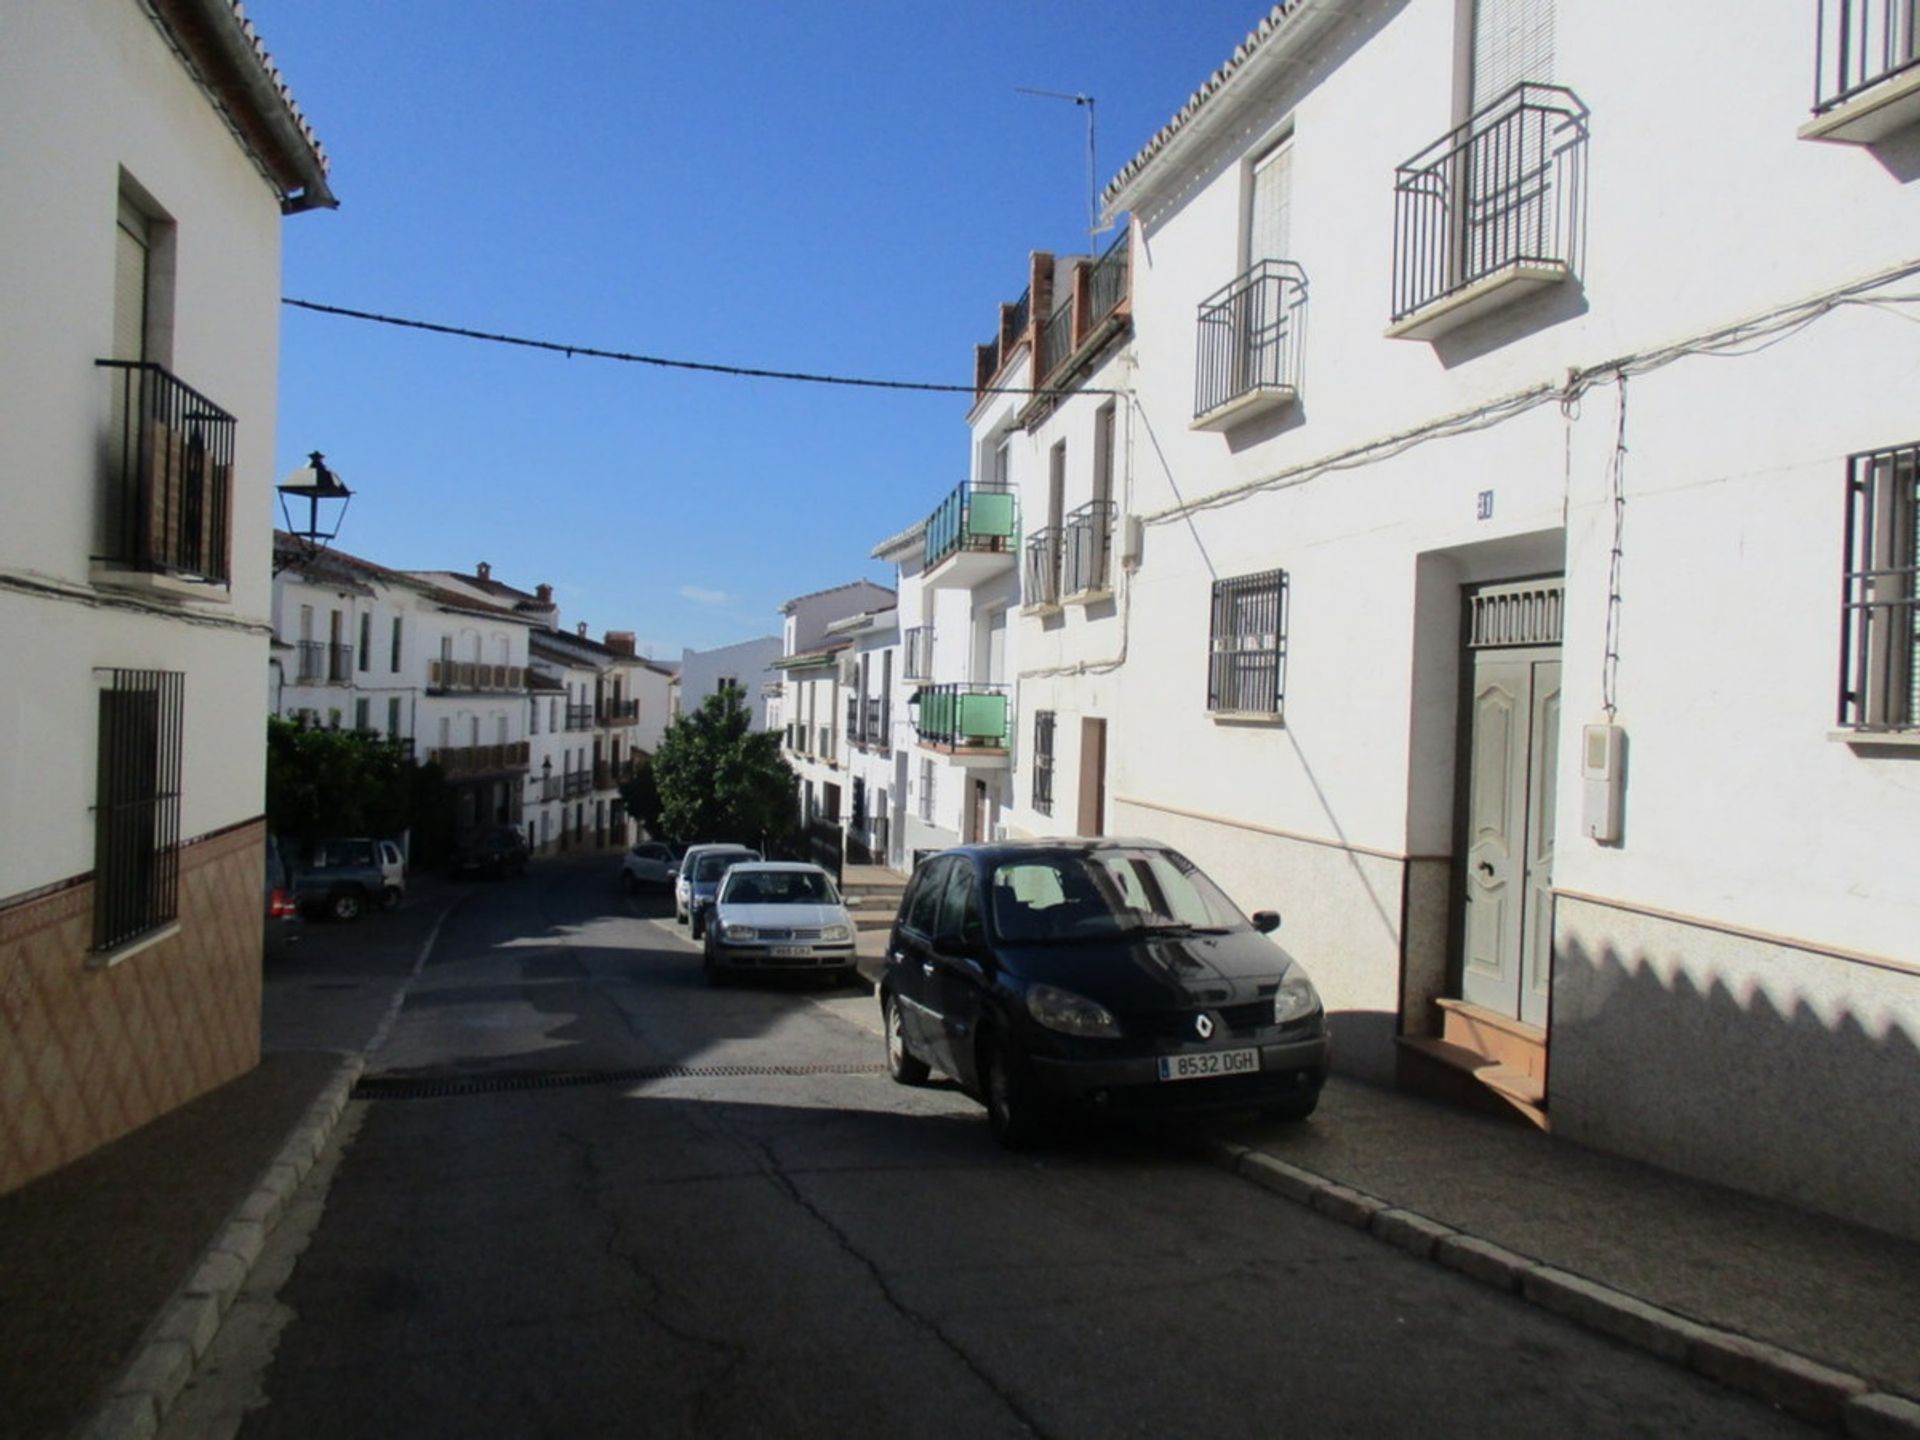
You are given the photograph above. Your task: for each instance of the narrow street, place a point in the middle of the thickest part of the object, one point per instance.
(729, 1221)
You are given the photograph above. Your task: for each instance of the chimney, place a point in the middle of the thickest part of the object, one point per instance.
(483, 570)
(583, 629)
(621, 641)
(544, 594)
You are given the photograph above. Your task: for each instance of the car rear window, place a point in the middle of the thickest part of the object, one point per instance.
(780, 887)
(712, 867)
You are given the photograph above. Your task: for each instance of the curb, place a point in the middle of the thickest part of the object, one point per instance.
(1801, 1386)
(136, 1403)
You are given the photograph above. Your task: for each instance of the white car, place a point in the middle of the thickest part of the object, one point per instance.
(778, 916)
(650, 863)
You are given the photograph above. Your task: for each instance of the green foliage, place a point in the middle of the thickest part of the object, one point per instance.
(717, 778)
(344, 782)
(641, 796)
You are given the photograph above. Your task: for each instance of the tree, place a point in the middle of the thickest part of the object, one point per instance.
(343, 782)
(715, 777)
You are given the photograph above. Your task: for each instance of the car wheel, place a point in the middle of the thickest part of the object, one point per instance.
(1294, 1110)
(905, 1067)
(698, 925)
(679, 916)
(711, 967)
(1014, 1109)
(390, 898)
(344, 905)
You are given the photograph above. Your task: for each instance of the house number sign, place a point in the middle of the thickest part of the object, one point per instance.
(1483, 506)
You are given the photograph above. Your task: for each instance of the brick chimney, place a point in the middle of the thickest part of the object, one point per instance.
(621, 641)
(543, 593)
(483, 571)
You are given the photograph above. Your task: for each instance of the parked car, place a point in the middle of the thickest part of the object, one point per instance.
(1109, 974)
(342, 879)
(777, 915)
(282, 919)
(698, 877)
(491, 850)
(650, 863)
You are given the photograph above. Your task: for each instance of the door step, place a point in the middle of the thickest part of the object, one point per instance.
(1467, 1077)
(1500, 1038)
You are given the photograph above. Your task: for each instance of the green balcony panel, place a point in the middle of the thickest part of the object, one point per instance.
(990, 514)
(983, 718)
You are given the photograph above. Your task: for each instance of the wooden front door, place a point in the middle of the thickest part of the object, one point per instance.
(1512, 753)
(1093, 776)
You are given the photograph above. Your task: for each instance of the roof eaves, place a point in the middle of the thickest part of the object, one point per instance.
(896, 544)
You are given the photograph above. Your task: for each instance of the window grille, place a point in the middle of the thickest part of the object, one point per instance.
(1880, 616)
(1043, 761)
(1246, 667)
(926, 791)
(136, 860)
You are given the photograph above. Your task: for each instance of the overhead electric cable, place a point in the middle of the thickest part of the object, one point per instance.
(593, 352)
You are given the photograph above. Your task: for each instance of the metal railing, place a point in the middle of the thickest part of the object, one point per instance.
(136, 838)
(579, 717)
(547, 789)
(825, 750)
(324, 663)
(168, 486)
(1880, 611)
(474, 675)
(1042, 577)
(877, 723)
(916, 653)
(1088, 548)
(1858, 44)
(462, 760)
(1252, 335)
(963, 716)
(1022, 314)
(576, 783)
(1107, 283)
(1504, 188)
(853, 720)
(1043, 761)
(617, 712)
(975, 516)
(1056, 339)
(1247, 660)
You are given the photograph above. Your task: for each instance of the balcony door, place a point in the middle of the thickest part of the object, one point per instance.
(1260, 319)
(1506, 165)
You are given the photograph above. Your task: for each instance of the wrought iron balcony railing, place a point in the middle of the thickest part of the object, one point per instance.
(965, 716)
(168, 487)
(576, 783)
(1088, 551)
(1500, 196)
(1041, 587)
(580, 717)
(617, 712)
(1858, 45)
(463, 760)
(324, 663)
(877, 724)
(466, 675)
(1056, 339)
(1252, 342)
(976, 517)
(1107, 283)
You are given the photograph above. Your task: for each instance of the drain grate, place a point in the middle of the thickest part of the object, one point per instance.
(436, 1087)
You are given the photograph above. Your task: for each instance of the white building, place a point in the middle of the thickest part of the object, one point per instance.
(815, 665)
(151, 153)
(745, 667)
(1535, 628)
(868, 735)
(612, 711)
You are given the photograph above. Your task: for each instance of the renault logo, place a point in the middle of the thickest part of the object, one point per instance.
(1203, 1026)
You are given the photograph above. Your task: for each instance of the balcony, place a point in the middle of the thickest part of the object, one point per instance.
(464, 761)
(1040, 581)
(168, 488)
(546, 789)
(965, 721)
(613, 713)
(576, 783)
(1088, 553)
(1251, 346)
(1056, 340)
(867, 722)
(1491, 212)
(324, 663)
(448, 677)
(578, 717)
(1866, 71)
(970, 537)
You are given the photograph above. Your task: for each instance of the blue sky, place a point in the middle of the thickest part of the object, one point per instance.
(847, 188)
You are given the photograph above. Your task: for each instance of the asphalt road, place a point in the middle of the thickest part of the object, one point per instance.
(743, 1227)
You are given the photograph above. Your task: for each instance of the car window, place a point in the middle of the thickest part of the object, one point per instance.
(780, 887)
(960, 923)
(922, 906)
(712, 867)
(1105, 893)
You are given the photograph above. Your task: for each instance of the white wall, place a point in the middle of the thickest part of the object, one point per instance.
(748, 662)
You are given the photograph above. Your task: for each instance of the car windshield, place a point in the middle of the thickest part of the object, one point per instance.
(1105, 893)
(780, 887)
(712, 867)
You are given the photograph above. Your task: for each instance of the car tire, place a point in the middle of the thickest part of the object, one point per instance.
(903, 1065)
(698, 927)
(679, 916)
(1015, 1112)
(391, 897)
(716, 973)
(345, 905)
(1295, 1110)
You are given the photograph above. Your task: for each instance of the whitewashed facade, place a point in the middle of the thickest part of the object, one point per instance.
(1514, 627)
(746, 666)
(150, 158)
(815, 666)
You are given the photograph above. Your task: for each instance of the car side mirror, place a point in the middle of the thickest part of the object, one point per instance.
(673, 872)
(852, 902)
(1266, 921)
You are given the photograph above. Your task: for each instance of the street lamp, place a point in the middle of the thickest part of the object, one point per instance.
(318, 485)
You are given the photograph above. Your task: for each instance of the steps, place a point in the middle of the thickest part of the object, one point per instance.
(1480, 1059)
(878, 890)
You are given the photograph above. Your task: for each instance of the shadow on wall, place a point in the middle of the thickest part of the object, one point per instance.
(1785, 1072)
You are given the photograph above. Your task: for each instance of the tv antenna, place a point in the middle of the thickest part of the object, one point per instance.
(1094, 228)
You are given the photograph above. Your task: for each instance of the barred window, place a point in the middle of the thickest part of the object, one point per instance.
(136, 857)
(1247, 659)
(1880, 629)
(1043, 761)
(926, 791)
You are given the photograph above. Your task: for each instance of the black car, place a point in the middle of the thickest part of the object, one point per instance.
(491, 850)
(1107, 974)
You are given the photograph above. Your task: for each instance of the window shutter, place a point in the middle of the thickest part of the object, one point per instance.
(130, 286)
(1270, 206)
(1512, 41)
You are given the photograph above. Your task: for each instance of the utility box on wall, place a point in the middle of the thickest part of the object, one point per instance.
(1602, 775)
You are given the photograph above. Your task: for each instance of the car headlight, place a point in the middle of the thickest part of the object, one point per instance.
(1296, 998)
(1069, 1013)
(739, 932)
(837, 932)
